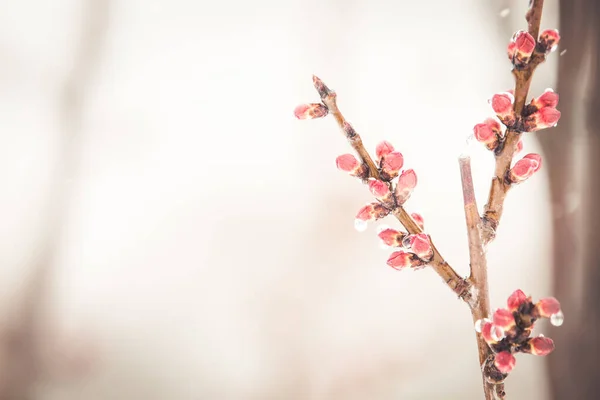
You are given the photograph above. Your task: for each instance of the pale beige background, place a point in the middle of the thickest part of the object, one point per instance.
(207, 250)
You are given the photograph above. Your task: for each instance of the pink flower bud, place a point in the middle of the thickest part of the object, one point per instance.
(391, 237)
(383, 148)
(372, 212)
(524, 47)
(486, 135)
(502, 103)
(311, 111)
(525, 167)
(391, 164)
(504, 319)
(419, 220)
(541, 346)
(401, 259)
(491, 333)
(421, 246)
(547, 307)
(548, 99)
(347, 163)
(546, 117)
(516, 299)
(406, 184)
(549, 40)
(505, 362)
(379, 189)
(511, 50)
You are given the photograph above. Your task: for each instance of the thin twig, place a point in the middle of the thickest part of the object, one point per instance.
(480, 308)
(499, 187)
(455, 282)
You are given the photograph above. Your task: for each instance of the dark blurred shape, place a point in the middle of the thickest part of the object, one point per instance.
(573, 368)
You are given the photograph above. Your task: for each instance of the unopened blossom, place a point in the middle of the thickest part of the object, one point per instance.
(549, 40)
(547, 99)
(421, 246)
(505, 362)
(523, 48)
(541, 346)
(382, 149)
(525, 168)
(391, 237)
(502, 103)
(488, 133)
(504, 319)
(402, 260)
(515, 300)
(391, 164)
(372, 212)
(546, 117)
(349, 163)
(405, 186)
(311, 111)
(547, 307)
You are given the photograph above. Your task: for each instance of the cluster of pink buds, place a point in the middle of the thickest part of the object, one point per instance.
(418, 248)
(509, 332)
(541, 113)
(523, 46)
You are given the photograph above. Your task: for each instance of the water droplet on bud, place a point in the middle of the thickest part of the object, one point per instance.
(360, 225)
(557, 319)
(479, 324)
(497, 333)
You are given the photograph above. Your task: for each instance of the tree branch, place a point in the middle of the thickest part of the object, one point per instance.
(455, 282)
(500, 186)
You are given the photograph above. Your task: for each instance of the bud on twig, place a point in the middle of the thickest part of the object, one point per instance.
(505, 362)
(383, 148)
(546, 117)
(391, 237)
(540, 346)
(547, 307)
(488, 133)
(420, 245)
(548, 99)
(502, 103)
(549, 40)
(406, 184)
(515, 300)
(311, 111)
(391, 165)
(524, 45)
(349, 163)
(525, 167)
(401, 259)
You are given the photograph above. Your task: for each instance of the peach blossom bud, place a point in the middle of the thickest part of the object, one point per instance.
(547, 307)
(491, 333)
(401, 259)
(541, 346)
(511, 50)
(525, 167)
(391, 237)
(379, 189)
(406, 184)
(383, 148)
(347, 163)
(311, 111)
(421, 246)
(546, 117)
(372, 212)
(549, 40)
(524, 47)
(486, 135)
(504, 319)
(419, 220)
(548, 99)
(505, 362)
(502, 103)
(516, 299)
(391, 164)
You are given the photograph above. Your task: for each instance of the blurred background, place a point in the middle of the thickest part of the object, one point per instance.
(170, 231)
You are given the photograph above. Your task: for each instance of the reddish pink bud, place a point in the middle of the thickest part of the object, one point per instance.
(524, 47)
(383, 148)
(505, 362)
(547, 307)
(502, 103)
(519, 147)
(347, 163)
(421, 246)
(401, 259)
(548, 99)
(391, 237)
(549, 39)
(311, 111)
(419, 220)
(379, 189)
(406, 184)
(372, 212)
(546, 117)
(541, 346)
(491, 333)
(504, 319)
(392, 163)
(516, 299)
(486, 135)
(525, 167)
